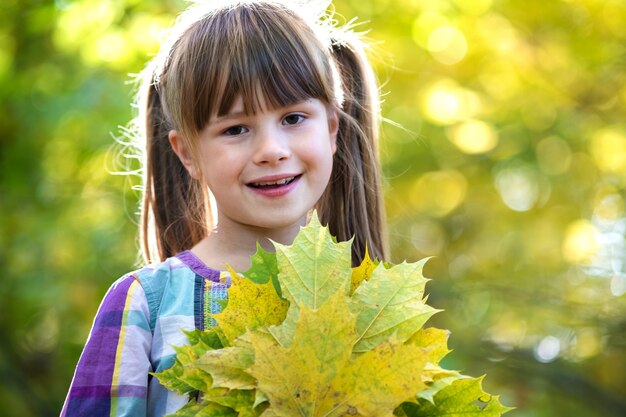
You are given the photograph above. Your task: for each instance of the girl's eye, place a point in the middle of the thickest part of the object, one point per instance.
(235, 131)
(293, 119)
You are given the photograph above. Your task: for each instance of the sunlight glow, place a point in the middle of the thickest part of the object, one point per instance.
(147, 32)
(518, 187)
(474, 136)
(445, 106)
(112, 47)
(82, 20)
(439, 192)
(608, 204)
(445, 103)
(447, 45)
(501, 36)
(424, 25)
(608, 148)
(548, 349)
(580, 243)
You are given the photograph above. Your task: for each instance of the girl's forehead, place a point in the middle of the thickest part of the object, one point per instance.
(261, 104)
(236, 110)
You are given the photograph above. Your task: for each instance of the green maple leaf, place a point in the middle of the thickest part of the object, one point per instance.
(184, 377)
(311, 270)
(263, 267)
(390, 302)
(227, 366)
(203, 340)
(221, 403)
(438, 379)
(463, 398)
(204, 409)
(314, 267)
(241, 401)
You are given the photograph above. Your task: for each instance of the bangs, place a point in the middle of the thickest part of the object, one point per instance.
(265, 54)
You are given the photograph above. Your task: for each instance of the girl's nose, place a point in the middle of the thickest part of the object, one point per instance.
(271, 147)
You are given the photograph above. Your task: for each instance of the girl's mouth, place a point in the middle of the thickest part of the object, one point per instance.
(267, 185)
(274, 188)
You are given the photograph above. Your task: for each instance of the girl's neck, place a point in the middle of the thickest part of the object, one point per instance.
(232, 243)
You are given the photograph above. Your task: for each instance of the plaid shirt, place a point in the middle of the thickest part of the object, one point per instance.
(138, 322)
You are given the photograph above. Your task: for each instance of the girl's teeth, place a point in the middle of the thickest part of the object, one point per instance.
(278, 182)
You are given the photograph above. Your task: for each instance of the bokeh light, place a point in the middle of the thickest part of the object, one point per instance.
(473, 136)
(548, 349)
(608, 148)
(518, 187)
(424, 25)
(445, 103)
(447, 45)
(580, 242)
(437, 193)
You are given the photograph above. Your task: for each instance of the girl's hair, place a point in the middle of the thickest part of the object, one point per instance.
(264, 52)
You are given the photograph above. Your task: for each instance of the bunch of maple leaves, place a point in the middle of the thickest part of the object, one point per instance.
(305, 334)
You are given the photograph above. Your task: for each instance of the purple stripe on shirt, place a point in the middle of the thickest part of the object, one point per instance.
(104, 391)
(198, 266)
(87, 407)
(97, 363)
(109, 319)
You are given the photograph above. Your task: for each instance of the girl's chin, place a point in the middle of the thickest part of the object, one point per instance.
(279, 219)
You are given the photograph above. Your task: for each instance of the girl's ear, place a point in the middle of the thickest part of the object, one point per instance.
(183, 153)
(333, 128)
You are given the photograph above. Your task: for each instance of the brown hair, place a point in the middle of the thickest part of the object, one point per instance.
(268, 53)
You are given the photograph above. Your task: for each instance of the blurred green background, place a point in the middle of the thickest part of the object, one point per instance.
(509, 167)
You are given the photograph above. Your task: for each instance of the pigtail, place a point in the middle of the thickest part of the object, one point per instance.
(174, 209)
(352, 204)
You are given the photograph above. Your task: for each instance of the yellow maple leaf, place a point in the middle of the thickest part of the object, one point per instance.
(250, 306)
(362, 272)
(315, 376)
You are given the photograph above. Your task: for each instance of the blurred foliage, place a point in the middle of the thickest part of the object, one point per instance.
(504, 156)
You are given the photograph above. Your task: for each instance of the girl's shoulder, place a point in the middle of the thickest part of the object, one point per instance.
(174, 285)
(177, 270)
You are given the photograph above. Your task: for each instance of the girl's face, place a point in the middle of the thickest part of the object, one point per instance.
(269, 169)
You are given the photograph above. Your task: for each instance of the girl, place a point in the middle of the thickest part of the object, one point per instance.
(273, 114)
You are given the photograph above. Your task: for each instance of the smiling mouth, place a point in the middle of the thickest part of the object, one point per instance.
(274, 184)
